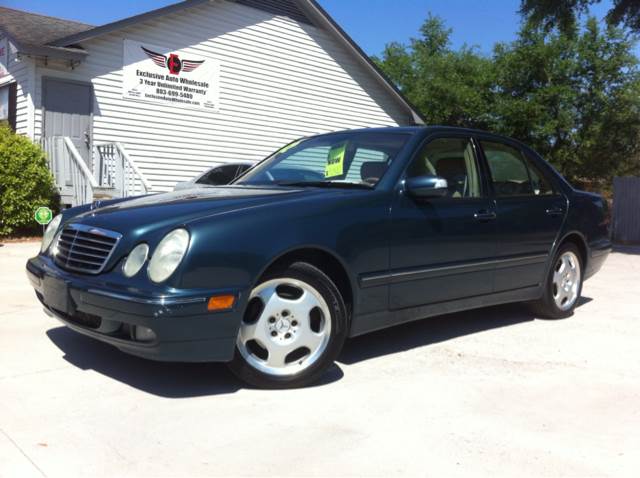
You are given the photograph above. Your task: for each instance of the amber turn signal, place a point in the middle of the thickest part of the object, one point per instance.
(221, 302)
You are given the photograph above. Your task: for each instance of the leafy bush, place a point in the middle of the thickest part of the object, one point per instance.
(25, 183)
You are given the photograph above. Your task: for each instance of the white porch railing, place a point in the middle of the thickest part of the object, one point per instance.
(115, 173)
(115, 169)
(73, 178)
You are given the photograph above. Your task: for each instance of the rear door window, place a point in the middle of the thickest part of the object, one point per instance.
(541, 185)
(512, 174)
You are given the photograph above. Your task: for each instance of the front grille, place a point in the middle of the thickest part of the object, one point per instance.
(85, 249)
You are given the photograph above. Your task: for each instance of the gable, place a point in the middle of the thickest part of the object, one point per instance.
(287, 8)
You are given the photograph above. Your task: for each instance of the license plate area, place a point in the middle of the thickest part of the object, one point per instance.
(56, 295)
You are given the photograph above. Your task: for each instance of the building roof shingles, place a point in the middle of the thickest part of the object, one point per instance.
(33, 29)
(37, 30)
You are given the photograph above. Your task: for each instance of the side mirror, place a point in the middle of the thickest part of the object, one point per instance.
(424, 187)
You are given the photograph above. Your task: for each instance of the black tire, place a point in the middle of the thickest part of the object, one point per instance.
(313, 276)
(546, 306)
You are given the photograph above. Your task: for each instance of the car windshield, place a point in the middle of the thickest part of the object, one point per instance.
(356, 159)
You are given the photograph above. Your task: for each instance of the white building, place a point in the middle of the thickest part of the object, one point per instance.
(156, 98)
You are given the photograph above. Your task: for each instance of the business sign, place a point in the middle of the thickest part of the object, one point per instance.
(160, 74)
(4, 57)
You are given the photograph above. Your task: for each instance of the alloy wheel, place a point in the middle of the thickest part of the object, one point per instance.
(286, 329)
(566, 280)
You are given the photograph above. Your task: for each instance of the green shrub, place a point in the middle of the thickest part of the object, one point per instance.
(25, 183)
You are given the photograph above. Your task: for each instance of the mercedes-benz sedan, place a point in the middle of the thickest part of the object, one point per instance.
(332, 236)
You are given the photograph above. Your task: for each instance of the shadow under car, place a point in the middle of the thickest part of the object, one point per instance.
(182, 380)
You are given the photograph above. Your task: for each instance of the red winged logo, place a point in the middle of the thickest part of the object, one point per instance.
(172, 62)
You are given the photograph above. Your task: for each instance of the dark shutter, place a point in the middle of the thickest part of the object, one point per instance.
(13, 103)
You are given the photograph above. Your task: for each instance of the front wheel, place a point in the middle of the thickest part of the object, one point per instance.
(292, 331)
(563, 286)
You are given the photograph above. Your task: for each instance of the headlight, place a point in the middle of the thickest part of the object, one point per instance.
(135, 260)
(50, 232)
(168, 254)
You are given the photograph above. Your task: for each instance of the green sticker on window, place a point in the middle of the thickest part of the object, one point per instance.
(335, 161)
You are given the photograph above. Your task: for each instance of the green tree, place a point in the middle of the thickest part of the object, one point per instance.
(448, 86)
(574, 98)
(564, 14)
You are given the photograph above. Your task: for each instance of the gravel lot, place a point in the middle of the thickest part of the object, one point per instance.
(492, 392)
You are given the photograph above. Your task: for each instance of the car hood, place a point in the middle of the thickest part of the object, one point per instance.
(175, 208)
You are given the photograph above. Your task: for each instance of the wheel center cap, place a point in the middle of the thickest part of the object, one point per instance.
(283, 325)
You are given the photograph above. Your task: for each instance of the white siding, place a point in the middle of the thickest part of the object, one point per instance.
(279, 80)
(23, 73)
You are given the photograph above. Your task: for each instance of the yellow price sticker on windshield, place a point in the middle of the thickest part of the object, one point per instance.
(335, 161)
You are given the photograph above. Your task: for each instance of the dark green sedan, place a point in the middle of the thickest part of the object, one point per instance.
(332, 236)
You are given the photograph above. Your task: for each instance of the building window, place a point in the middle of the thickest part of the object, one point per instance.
(8, 104)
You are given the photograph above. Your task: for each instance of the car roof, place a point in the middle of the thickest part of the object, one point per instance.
(232, 163)
(382, 129)
(414, 129)
(428, 130)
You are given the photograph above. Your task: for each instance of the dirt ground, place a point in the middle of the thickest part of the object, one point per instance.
(492, 392)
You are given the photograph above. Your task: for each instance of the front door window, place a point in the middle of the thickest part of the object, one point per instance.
(452, 159)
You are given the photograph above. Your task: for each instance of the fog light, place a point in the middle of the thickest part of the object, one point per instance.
(144, 334)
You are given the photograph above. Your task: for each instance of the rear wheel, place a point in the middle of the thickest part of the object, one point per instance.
(292, 331)
(563, 285)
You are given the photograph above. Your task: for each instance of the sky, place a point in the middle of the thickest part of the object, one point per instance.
(371, 23)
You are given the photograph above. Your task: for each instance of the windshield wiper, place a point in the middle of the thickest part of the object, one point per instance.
(326, 184)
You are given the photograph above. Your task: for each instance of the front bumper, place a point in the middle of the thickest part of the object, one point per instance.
(183, 329)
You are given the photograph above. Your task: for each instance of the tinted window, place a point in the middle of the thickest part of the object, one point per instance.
(513, 174)
(452, 159)
(355, 158)
(306, 164)
(541, 185)
(219, 176)
(362, 156)
(242, 168)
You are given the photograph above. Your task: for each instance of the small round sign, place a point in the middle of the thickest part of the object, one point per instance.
(43, 215)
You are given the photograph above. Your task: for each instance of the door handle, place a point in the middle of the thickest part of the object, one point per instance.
(484, 216)
(555, 211)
